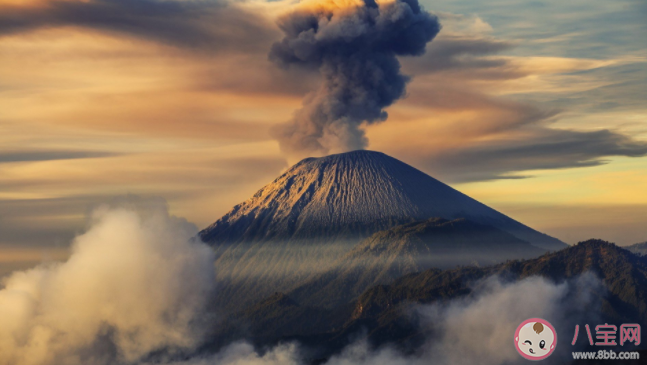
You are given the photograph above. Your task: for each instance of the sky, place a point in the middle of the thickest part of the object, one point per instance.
(535, 108)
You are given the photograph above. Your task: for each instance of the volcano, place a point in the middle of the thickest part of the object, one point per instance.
(350, 196)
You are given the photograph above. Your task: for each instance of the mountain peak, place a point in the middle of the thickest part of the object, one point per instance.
(349, 196)
(350, 155)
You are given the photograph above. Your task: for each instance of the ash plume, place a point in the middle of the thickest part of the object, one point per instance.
(354, 45)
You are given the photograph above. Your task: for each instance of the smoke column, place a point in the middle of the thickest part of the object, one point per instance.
(354, 45)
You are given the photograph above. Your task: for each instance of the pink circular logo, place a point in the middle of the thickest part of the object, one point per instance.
(535, 339)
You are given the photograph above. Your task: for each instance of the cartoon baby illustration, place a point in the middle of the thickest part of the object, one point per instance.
(535, 339)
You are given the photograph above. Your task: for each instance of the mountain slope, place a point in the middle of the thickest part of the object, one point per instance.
(349, 196)
(623, 273)
(381, 312)
(410, 248)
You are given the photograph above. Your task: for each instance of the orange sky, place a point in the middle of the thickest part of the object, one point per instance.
(516, 119)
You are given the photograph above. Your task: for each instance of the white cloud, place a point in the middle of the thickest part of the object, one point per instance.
(477, 329)
(242, 353)
(480, 329)
(133, 284)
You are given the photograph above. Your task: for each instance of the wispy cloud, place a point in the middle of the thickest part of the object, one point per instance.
(487, 116)
(168, 91)
(542, 149)
(36, 155)
(206, 26)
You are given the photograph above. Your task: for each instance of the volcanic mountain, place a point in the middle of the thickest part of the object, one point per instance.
(350, 196)
(303, 223)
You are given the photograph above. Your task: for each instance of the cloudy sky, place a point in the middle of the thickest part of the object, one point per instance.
(536, 108)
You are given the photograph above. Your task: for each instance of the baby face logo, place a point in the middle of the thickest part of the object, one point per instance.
(535, 339)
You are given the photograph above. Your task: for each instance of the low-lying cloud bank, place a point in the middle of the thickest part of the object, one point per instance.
(137, 284)
(134, 284)
(478, 329)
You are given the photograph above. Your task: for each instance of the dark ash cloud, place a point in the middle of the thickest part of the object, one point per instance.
(355, 50)
(204, 25)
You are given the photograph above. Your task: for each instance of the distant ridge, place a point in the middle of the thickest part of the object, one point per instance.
(382, 312)
(410, 248)
(350, 196)
(638, 248)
